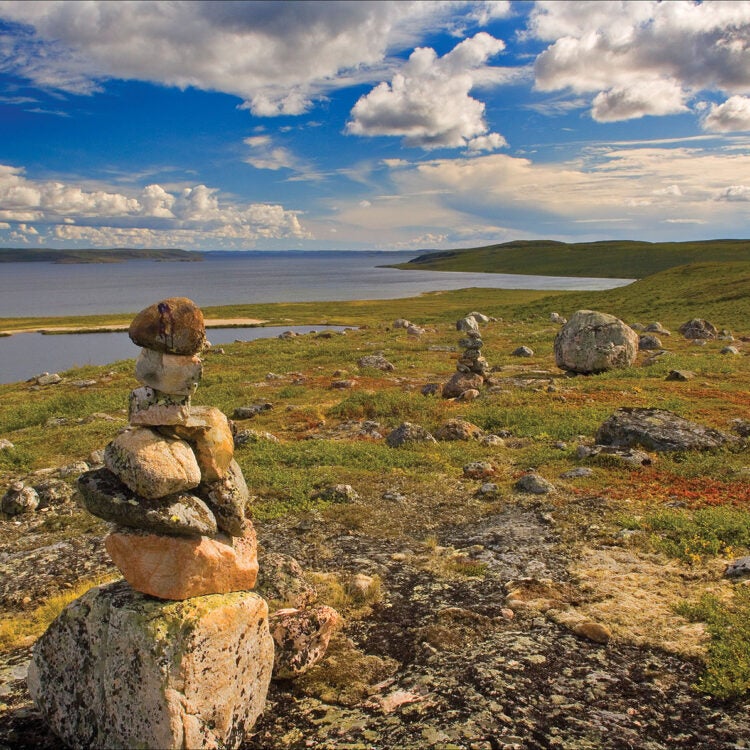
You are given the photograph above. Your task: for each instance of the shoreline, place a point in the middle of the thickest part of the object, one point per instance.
(118, 328)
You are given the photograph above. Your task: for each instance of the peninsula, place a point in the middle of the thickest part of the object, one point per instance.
(112, 255)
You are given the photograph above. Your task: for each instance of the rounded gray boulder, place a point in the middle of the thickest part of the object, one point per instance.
(593, 342)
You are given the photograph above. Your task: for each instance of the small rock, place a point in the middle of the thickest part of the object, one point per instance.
(408, 433)
(461, 382)
(534, 484)
(479, 470)
(343, 384)
(470, 394)
(730, 350)
(697, 328)
(479, 317)
(413, 330)
(649, 343)
(593, 631)
(363, 588)
(401, 323)
(245, 437)
(248, 412)
(557, 318)
(377, 362)
(680, 375)
(488, 489)
(5, 445)
(54, 492)
(337, 493)
(74, 469)
(738, 568)
(657, 327)
(458, 429)
(523, 351)
(48, 379)
(581, 471)
(394, 496)
(492, 440)
(432, 389)
(281, 581)
(19, 499)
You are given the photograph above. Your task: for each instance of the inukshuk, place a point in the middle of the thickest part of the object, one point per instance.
(151, 672)
(472, 367)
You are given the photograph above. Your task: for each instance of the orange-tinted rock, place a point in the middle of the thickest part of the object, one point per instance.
(208, 432)
(181, 567)
(173, 326)
(461, 382)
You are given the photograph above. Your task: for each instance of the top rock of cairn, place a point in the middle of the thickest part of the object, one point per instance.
(172, 326)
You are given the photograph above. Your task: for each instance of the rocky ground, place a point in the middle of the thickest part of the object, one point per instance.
(461, 649)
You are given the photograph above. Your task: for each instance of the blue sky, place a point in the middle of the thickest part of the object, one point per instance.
(371, 125)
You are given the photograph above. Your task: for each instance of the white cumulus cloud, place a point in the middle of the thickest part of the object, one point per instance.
(428, 101)
(642, 58)
(731, 116)
(276, 56)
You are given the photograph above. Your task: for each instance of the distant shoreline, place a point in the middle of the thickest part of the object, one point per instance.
(66, 257)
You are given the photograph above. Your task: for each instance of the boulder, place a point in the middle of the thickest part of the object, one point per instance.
(152, 465)
(657, 430)
(301, 637)
(175, 374)
(228, 498)
(172, 326)
(19, 499)
(180, 514)
(409, 433)
(210, 436)
(149, 407)
(697, 328)
(458, 429)
(460, 382)
(593, 342)
(118, 669)
(170, 567)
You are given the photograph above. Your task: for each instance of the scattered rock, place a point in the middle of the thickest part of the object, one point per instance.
(173, 326)
(741, 427)
(301, 638)
(495, 440)
(697, 328)
(54, 492)
(377, 362)
(557, 318)
(119, 669)
(592, 342)
(534, 483)
(656, 327)
(248, 412)
(413, 330)
(245, 437)
(170, 567)
(363, 588)
(469, 395)
(461, 382)
(730, 350)
(649, 343)
(343, 385)
(680, 375)
(479, 470)
(337, 493)
(401, 323)
(281, 581)
(432, 389)
(580, 471)
(523, 351)
(408, 433)
(74, 469)
(657, 430)
(738, 568)
(488, 489)
(458, 429)
(19, 499)
(5, 445)
(47, 378)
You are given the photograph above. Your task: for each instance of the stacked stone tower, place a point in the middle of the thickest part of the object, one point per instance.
(472, 367)
(126, 665)
(472, 361)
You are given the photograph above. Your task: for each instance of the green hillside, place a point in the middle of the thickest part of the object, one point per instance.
(119, 255)
(607, 259)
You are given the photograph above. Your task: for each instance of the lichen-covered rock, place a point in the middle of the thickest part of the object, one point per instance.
(461, 382)
(281, 581)
(119, 669)
(227, 498)
(534, 484)
(337, 493)
(173, 326)
(171, 567)
(181, 514)
(377, 362)
(149, 407)
(458, 429)
(208, 432)
(697, 328)
(593, 342)
(409, 433)
(479, 470)
(657, 430)
(19, 499)
(301, 637)
(152, 465)
(649, 343)
(175, 374)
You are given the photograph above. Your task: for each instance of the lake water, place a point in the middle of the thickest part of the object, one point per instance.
(48, 289)
(41, 289)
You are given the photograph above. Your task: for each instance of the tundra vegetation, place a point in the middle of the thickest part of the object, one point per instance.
(683, 517)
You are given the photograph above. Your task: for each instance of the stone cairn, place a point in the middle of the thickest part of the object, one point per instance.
(472, 367)
(179, 654)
